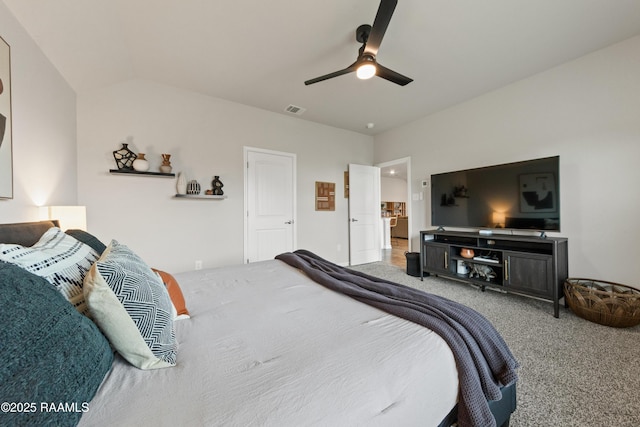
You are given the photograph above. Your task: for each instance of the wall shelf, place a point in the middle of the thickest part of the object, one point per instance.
(199, 196)
(133, 172)
(393, 208)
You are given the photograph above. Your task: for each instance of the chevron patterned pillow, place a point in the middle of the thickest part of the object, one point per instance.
(57, 257)
(131, 305)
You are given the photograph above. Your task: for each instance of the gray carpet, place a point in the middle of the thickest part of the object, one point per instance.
(573, 372)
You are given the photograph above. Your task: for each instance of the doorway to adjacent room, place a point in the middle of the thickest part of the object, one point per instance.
(395, 190)
(396, 255)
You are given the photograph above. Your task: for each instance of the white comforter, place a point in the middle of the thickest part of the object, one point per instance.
(266, 346)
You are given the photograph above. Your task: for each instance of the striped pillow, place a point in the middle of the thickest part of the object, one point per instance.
(62, 260)
(130, 304)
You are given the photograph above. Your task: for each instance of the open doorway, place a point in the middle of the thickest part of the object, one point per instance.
(395, 208)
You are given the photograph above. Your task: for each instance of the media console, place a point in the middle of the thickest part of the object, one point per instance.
(527, 265)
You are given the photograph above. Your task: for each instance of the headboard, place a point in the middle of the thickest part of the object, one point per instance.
(25, 233)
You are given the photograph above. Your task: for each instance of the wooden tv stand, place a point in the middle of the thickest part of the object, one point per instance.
(527, 265)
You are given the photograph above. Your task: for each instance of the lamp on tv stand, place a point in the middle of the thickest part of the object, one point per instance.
(498, 219)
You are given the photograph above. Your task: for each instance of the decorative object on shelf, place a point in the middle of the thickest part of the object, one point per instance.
(606, 303)
(165, 167)
(181, 184)
(462, 267)
(193, 187)
(482, 272)
(141, 164)
(467, 253)
(217, 185)
(124, 157)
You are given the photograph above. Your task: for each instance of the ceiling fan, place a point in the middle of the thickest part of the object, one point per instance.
(366, 65)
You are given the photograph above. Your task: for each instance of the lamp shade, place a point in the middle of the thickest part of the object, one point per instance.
(499, 219)
(70, 217)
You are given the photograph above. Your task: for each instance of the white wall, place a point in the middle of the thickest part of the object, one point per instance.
(588, 112)
(44, 129)
(393, 189)
(205, 137)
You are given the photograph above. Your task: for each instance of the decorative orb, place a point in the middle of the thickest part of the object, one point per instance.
(193, 187)
(467, 253)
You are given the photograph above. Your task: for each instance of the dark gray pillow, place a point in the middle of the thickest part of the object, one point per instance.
(87, 239)
(50, 353)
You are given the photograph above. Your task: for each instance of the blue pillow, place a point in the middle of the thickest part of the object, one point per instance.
(50, 353)
(88, 239)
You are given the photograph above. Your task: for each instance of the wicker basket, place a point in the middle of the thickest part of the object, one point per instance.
(603, 302)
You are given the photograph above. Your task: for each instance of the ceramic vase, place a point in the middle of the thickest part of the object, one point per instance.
(165, 167)
(124, 157)
(193, 187)
(141, 164)
(181, 184)
(217, 185)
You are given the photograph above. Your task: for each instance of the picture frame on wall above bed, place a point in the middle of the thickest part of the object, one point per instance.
(6, 140)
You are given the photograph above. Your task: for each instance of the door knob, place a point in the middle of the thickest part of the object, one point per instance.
(354, 220)
(289, 222)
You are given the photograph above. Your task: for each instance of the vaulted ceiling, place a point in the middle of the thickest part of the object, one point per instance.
(259, 52)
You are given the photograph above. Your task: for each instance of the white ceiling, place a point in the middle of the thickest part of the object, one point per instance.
(259, 52)
(396, 171)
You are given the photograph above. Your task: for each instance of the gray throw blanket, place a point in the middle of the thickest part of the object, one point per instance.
(483, 359)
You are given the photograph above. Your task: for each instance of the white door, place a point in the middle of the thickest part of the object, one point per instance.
(365, 224)
(270, 179)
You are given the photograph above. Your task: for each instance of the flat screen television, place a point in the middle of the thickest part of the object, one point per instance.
(522, 195)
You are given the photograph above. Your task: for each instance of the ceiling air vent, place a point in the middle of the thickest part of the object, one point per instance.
(294, 109)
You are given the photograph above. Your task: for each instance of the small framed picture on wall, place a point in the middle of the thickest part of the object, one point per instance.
(325, 196)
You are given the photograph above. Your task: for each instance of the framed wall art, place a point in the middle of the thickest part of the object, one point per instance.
(325, 196)
(6, 143)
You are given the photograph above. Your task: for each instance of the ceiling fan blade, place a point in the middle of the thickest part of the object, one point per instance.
(380, 24)
(351, 68)
(392, 76)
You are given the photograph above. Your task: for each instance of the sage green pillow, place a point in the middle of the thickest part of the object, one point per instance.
(50, 353)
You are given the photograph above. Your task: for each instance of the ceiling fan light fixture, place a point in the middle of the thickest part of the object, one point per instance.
(370, 36)
(367, 68)
(366, 71)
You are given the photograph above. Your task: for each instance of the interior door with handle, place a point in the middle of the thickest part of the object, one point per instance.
(270, 203)
(365, 223)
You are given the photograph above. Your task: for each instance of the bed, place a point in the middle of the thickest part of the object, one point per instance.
(263, 345)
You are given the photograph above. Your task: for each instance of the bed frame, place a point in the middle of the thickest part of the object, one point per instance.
(25, 233)
(501, 409)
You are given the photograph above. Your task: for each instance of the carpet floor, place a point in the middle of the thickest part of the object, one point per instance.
(573, 372)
